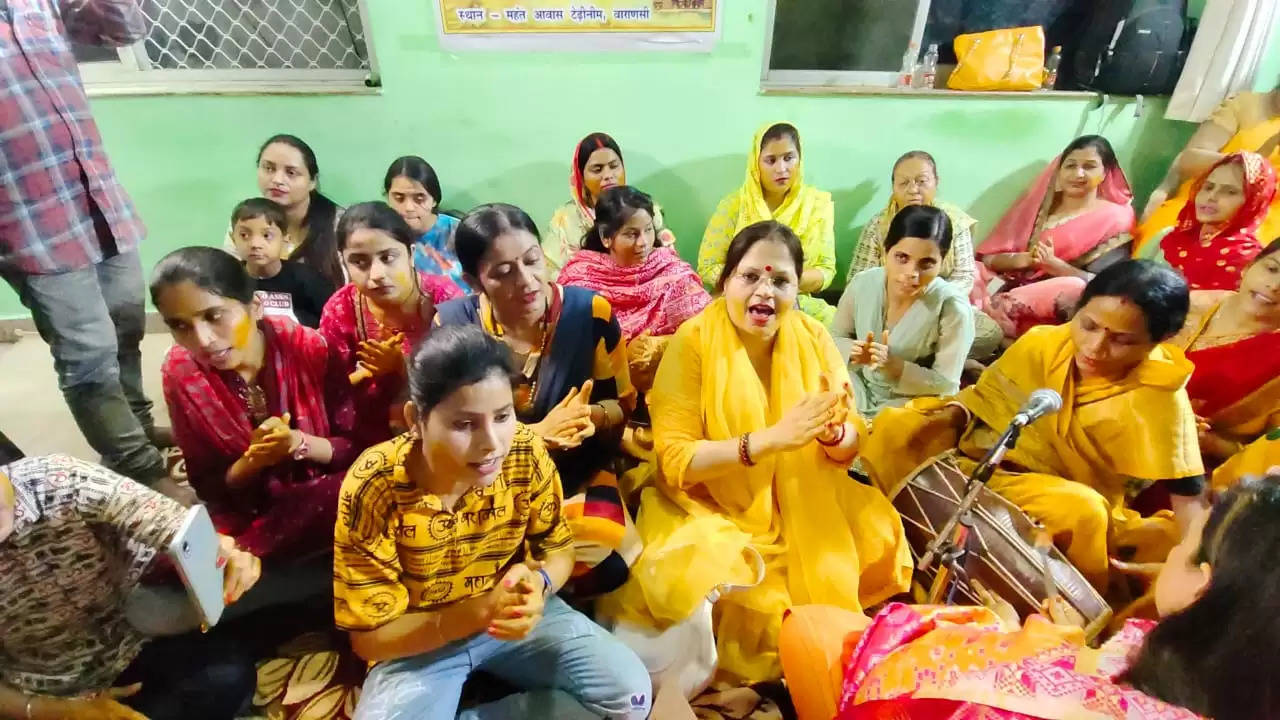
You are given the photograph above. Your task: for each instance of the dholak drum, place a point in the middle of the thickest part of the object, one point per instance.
(999, 543)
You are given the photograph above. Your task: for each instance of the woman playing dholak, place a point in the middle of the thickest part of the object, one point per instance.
(1217, 231)
(1071, 223)
(597, 166)
(906, 330)
(651, 289)
(1247, 121)
(754, 433)
(775, 190)
(1211, 654)
(1125, 423)
(1234, 340)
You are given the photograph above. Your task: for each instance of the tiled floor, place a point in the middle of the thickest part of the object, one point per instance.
(32, 412)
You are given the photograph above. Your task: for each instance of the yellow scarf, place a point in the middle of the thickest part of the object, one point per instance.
(1107, 433)
(802, 208)
(824, 538)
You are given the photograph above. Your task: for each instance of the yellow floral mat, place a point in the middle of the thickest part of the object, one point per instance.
(315, 677)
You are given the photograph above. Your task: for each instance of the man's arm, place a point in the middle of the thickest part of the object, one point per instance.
(104, 23)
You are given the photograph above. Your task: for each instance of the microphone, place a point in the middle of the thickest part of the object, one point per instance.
(1041, 402)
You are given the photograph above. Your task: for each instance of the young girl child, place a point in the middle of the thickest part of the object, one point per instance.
(250, 399)
(413, 190)
(450, 547)
(374, 320)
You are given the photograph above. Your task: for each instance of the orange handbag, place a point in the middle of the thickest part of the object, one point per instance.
(1005, 59)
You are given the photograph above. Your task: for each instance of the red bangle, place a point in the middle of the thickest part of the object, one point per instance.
(744, 452)
(839, 439)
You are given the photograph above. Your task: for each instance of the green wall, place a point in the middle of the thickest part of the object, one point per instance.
(501, 126)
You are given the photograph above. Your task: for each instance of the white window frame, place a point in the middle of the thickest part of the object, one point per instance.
(133, 75)
(835, 78)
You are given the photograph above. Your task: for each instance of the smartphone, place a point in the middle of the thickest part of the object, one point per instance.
(194, 551)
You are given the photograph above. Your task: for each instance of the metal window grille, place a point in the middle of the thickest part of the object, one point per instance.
(260, 34)
(240, 46)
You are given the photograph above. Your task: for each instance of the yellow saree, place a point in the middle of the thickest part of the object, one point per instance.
(824, 537)
(1072, 471)
(808, 211)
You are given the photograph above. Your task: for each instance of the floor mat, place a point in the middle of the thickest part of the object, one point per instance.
(760, 702)
(314, 677)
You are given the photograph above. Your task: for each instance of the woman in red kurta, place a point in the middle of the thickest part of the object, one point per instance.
(374, 321)
(250, 399)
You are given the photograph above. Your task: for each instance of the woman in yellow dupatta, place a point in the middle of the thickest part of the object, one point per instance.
(753, 448)
(1233, 337)
(1125, 424)
(775, 190)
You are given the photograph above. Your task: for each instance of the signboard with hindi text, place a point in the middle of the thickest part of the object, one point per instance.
(643, 20)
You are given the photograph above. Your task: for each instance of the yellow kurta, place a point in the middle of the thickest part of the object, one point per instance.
(1109, 441)
(824, 537)
(808, 211)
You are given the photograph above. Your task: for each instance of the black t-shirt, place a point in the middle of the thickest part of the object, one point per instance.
(297, 292)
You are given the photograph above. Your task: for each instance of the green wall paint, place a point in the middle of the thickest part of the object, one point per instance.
(501, 126)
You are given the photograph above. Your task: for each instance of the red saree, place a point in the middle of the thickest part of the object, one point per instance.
(1235, 387)
(345, 323)
(1216, 263)
(957, 663)
(657, 295)
(291, 509)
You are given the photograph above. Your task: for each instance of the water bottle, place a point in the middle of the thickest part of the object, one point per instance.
(908, 73)
(1051, 68)
(929, 67)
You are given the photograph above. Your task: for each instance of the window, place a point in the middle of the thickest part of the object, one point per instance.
(239, 45)
(863, 42)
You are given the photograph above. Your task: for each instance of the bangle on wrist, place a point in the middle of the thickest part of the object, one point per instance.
(546, 582)
(744, 450)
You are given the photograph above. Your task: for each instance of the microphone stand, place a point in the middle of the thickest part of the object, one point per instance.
(943, 540)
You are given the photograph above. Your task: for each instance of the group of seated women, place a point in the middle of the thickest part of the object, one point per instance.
(443, 456)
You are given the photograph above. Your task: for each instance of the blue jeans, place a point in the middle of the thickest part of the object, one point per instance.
(93, 320)
(570, 667)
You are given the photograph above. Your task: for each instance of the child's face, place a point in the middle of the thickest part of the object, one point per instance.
(261, 245)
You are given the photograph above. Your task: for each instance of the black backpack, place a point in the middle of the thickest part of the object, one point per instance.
(1133, 47)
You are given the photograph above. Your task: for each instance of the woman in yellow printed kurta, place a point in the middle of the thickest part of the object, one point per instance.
(775, 190)
(1125, 423)
(753, 448)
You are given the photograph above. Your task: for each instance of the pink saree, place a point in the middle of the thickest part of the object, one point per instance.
(958, 663)
(1032, 297)
(656, 295)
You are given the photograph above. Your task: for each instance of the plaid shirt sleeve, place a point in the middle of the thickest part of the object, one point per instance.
(54, 174)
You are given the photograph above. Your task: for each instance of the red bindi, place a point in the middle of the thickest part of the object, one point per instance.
(768, 268)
